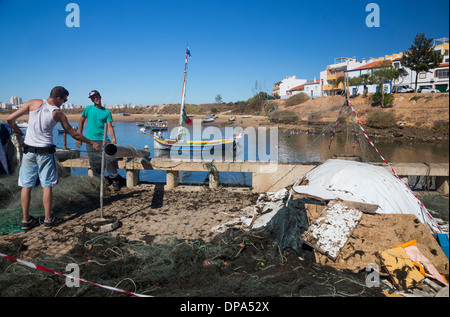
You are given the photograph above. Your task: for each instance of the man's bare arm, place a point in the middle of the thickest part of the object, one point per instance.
(61, 118)
(25, 109)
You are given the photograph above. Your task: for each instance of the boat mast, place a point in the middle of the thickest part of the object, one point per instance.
(183, 93)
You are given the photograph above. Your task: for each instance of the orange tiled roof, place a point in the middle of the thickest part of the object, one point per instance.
(313, 81)
(373, 65)
(297, 88)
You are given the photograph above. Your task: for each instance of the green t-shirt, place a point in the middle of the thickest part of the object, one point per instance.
(96, 119)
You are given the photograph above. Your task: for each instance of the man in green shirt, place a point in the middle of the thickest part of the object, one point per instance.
(96, 116)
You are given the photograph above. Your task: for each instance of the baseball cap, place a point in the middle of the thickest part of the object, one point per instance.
(93, 93)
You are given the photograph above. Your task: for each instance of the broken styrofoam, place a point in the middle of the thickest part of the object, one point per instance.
(331, 230)
(366, 183)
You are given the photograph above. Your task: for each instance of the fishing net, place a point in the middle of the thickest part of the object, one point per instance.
(234, 263)
(70, 194)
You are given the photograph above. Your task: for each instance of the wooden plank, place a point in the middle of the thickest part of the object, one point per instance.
(332, 228)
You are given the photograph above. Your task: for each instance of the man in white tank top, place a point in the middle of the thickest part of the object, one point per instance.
(38, 159)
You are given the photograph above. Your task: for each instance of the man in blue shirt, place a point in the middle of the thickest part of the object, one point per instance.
(96, 116)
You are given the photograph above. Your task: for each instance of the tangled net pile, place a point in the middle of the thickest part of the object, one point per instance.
(70, 191)
(234, 263)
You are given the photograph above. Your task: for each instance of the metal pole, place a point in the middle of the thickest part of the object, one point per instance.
(102, 174)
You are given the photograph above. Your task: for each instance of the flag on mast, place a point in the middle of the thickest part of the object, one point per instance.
(185, 118)
(188, 52)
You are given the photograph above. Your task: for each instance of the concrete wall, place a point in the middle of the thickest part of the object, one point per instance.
(266, 177)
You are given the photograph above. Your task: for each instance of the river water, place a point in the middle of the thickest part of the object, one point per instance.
(286, 146)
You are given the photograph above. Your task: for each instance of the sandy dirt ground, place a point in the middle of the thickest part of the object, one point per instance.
(146, 213)
(199, 220)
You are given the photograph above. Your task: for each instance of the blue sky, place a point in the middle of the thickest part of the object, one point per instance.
(133, 51)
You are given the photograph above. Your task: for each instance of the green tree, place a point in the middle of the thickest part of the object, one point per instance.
(421, 56)
(219, 98)
(365, 78)
(384, 73)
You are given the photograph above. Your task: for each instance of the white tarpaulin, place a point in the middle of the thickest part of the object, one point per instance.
(366, 183)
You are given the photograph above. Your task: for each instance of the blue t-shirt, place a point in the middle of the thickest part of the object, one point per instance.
(96, 119)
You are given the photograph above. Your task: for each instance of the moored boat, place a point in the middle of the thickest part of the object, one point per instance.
(180, 142)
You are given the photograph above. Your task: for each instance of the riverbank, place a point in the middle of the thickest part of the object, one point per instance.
(418, 117)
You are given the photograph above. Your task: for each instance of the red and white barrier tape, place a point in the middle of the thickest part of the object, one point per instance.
(384, 160)
(37, 267)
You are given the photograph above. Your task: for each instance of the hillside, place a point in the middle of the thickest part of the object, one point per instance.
(414, 110)
(411, 110)
(415, 116)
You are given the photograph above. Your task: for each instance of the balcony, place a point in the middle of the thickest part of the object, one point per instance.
(335, 76)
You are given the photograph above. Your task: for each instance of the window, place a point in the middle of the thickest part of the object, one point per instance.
(422, 75)
(441, 73)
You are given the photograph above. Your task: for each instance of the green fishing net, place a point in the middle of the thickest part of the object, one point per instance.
(234, 263)
(69, 192)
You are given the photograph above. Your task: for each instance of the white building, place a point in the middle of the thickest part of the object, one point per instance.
(368, 69)
(437, 78)
(6, 105)
(329, 77)
(313, 88)
(16, 100)
(285, 86)
(68, 106)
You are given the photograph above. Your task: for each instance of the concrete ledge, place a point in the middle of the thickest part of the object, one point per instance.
(266, 176)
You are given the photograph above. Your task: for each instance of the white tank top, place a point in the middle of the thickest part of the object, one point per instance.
(40, 126)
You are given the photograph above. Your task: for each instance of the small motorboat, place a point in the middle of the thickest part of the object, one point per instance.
(22, 125)
(209, 119)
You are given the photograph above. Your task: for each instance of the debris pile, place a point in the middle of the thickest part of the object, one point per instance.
(356, 216)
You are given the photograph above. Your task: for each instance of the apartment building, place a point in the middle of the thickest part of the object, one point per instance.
(330, 78)
(330, 83)
(368, 69)
(285, 87)
(16, 100)
(437, 78)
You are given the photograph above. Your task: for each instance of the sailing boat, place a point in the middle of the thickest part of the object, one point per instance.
(166, 144)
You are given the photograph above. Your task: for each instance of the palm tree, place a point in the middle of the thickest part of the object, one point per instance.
(365, 78)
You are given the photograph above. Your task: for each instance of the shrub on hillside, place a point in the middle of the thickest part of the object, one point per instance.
(283, 116)
(381, 119)
(441, 125)
(296, 99)
(388, 99)
(256, 103)
(270, 107)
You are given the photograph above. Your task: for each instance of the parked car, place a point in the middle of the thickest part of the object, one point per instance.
(427, 89)
(402, 89)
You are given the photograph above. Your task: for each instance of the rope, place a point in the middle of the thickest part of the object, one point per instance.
(37, 267)
(422, 207)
